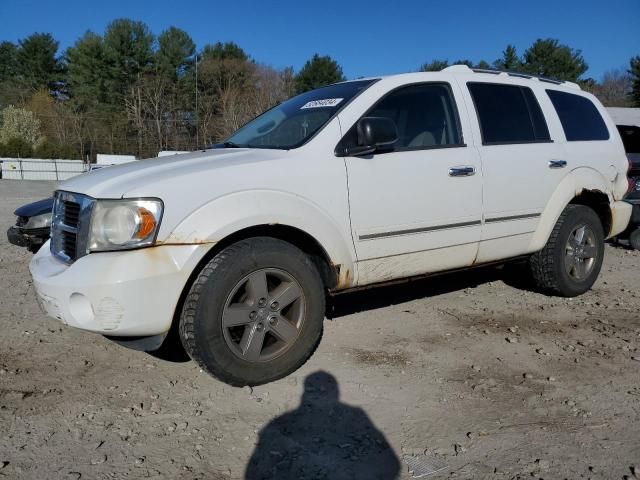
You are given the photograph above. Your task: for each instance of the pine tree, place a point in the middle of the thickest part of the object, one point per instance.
(510, 61)
(317, 72)
(549, 58)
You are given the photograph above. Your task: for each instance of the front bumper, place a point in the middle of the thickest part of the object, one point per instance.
(31, 239)
(128, 293)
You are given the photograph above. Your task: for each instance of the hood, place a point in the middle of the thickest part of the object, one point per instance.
(35, 208)
(139, 176)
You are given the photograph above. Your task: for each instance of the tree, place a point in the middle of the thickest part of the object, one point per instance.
(10, 91)
(549, 58)
(16, 148)
(21, 124)
(317, 72)
(614, 90)
(43, 107)
(88, 71)
(438, 65)
(270, 87)
(510, 61)
(8, 60)
(223, 84)
(128, 52)
(224, 51)
(175, 52)
(464, 61)
(37, 64)
(434, 66)
(634, 71)
(53, 151)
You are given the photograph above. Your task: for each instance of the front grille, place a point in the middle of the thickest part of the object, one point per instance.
(71, 213)
(69, 227)
(69, 245)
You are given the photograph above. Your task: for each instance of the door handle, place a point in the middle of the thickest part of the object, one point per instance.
(465, 171)
(557, 163)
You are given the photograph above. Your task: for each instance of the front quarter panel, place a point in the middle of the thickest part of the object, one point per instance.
(224, 216)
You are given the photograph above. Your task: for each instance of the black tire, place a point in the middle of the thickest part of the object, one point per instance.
(634, 239)
(201, 323)
(548, 265)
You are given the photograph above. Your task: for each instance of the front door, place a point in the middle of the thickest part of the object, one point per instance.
(416, 207)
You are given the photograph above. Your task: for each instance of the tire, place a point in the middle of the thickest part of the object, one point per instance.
(634, 239)
(228, 329)
(557, 269)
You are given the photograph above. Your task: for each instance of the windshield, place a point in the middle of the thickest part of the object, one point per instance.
(292, 123)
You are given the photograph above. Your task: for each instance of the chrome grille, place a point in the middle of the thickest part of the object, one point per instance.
(70, 225)
(71, 213)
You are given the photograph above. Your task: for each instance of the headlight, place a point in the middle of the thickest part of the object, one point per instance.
(38, 221)
(124, 224)
(637, 185)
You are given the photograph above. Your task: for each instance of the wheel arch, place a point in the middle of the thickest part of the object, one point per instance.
(582, 186)
(333, 275)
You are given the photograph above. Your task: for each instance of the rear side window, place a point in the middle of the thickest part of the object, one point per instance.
(508, 114)
(579, 117)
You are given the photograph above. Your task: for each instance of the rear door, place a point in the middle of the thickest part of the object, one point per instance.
(522, 164)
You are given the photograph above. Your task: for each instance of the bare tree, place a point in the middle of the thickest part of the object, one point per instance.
(615, 89)
(134, 109)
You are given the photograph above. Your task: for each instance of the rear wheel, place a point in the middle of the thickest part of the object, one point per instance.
(254, 314)
(570, 262)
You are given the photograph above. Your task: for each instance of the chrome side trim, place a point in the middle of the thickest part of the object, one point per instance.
(371, 236)
(513, 217)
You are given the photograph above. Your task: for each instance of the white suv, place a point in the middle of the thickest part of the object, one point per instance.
(352, 184)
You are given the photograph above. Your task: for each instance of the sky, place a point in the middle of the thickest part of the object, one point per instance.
(374, 37)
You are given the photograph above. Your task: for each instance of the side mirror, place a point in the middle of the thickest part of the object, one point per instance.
(373, 133)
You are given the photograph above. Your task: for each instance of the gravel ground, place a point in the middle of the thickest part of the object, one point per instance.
(469, 370)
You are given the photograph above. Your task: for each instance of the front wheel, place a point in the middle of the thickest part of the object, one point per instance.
(254, 313)
(570, 262)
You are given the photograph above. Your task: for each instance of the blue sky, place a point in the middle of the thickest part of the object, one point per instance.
(366, 37)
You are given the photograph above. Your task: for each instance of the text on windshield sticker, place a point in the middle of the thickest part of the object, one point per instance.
(327, 102)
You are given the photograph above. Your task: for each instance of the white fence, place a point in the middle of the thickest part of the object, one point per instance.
(35, 169)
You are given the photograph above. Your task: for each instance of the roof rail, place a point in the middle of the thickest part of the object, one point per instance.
(457, 68)
(465, 68)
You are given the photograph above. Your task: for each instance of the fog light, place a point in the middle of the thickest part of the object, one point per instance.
(80, 308)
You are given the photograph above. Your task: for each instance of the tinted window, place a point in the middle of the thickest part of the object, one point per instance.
(630, 138)
(540, 130)
(425, 117)
(579, 117)
(508, 114)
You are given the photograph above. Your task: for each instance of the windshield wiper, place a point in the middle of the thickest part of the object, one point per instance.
(227, 145)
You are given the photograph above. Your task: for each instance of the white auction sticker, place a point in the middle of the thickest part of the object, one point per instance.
(327, 102)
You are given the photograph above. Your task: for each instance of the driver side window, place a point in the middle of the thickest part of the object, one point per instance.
(425, 117)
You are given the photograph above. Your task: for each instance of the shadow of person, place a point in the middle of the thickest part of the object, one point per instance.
(322, 439)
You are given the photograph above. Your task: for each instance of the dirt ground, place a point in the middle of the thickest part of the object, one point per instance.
(471, 370)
